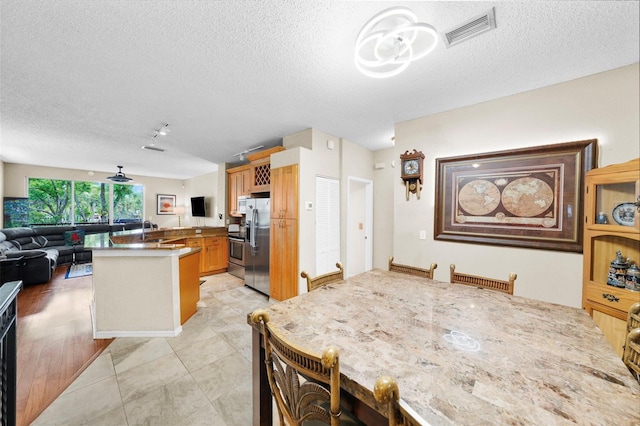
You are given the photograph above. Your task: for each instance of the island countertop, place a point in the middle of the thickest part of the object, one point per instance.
(462, 355)
(157, 239)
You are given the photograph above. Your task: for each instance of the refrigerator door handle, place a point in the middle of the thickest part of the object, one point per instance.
(254, 220)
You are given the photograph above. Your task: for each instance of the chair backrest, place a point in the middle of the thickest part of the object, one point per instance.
(287, 364)
(631, 356)
(483, 282)
(412, 270)
(633, 317)
(320, 280)
(385, 391)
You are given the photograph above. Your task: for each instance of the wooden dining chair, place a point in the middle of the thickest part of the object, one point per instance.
(633, 317)
(412, 270)
(305, 385)
(386, 391)
(324, 279)
(631, 355)
(483, 282)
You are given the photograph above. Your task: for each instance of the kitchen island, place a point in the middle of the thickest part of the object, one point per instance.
(143, 289)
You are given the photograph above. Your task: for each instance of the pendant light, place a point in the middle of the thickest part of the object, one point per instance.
(119, 177)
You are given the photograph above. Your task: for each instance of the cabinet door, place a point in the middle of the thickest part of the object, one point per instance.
(261, 176)
(215, 254)
(233, 194)
(611, 201)
(284, 192)
(614, 329)
(283, 271)
(244, 182)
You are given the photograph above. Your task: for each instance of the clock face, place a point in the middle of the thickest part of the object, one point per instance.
(411, 167)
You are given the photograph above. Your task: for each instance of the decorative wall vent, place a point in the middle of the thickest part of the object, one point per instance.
(471, 28)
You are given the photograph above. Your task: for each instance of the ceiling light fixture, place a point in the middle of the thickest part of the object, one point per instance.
(240, 155)
(119, 177)
(391, 40)
(163, 130)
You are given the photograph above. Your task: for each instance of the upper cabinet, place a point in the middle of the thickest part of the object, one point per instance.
(611, 245)
(251, 178)
(239, 184)
(284, 192)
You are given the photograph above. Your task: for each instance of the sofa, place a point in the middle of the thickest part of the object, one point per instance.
(33, 254)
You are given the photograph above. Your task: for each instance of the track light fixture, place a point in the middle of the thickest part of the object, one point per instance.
(241, 155)
(163, 130)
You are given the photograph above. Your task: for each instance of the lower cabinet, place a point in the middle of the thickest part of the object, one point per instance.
(283, 272)
(189, 285)
(214, 254)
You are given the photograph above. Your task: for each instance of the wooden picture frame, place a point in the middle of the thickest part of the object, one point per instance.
(165, 204)
(531, 197)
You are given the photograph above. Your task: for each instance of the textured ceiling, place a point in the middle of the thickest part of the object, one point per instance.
(83, 84)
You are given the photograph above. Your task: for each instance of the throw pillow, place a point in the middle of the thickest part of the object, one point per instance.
(74, 238)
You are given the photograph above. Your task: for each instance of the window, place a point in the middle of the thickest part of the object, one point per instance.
(53, 201)
(49, 201)
(91, 202)
(127, 203)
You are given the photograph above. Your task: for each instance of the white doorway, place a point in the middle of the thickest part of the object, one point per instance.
(359, 224)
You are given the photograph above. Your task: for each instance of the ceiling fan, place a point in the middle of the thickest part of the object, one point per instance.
(241, 155)
(119, 176)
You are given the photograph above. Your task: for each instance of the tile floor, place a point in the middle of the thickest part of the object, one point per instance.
(201, 377)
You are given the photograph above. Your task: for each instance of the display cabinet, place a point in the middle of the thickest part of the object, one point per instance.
(611, 245)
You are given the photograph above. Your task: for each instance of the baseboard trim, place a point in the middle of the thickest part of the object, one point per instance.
(115, 333)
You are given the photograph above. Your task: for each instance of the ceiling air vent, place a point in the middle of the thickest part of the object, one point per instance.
(471, 28)
(152, 148)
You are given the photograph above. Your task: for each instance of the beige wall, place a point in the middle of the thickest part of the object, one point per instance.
(603, 106)
(208, 186)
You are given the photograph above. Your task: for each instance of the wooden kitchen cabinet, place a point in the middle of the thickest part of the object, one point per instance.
(214, 254)
(284, 192)
(283, 265)
(283, 270)
(189, 285)
(614, 191)
(261, 175)
(239, 184)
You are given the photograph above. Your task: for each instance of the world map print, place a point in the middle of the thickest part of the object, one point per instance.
(516, 199)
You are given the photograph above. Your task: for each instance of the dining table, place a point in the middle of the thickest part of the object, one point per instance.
(460, 355)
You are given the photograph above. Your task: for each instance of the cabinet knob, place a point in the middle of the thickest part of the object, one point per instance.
(610, 297)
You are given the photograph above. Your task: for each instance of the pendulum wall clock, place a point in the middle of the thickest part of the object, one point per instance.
(411, 171)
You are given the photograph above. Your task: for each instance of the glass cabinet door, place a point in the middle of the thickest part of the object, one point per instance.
(616, 204)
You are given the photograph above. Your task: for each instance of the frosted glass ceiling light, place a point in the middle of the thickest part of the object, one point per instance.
(391, 40)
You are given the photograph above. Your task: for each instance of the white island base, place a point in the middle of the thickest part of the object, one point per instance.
(136, 292)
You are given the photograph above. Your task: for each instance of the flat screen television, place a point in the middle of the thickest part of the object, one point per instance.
(198, 207)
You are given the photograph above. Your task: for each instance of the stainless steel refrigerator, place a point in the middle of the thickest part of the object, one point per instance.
(256, 274)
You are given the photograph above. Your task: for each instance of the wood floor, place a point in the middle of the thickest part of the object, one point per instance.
(55, 342)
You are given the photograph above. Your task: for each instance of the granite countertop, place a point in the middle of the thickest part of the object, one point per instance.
(103, 242)
(463, 355)
(157, 239)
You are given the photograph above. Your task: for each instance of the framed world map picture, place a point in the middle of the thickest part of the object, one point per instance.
(529, 197)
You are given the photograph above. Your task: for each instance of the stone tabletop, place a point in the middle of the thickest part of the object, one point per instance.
(463, 355)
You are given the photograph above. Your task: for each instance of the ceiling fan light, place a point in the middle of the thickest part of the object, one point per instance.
(119, 176)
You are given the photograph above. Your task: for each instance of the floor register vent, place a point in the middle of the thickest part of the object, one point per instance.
(471, 28)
